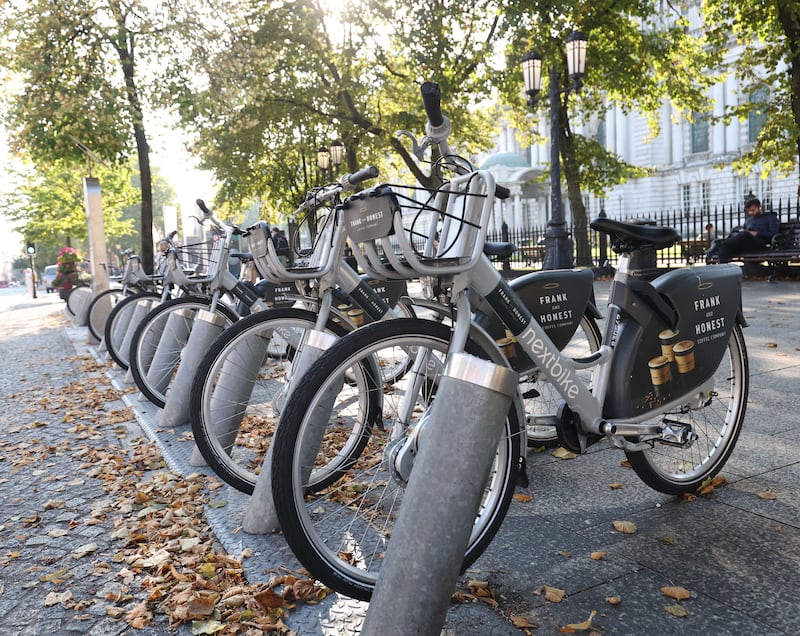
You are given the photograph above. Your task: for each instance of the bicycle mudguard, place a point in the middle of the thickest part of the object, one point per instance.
(556, 298)
(656, 362)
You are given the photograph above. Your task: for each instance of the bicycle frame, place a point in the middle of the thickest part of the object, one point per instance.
(629, 303)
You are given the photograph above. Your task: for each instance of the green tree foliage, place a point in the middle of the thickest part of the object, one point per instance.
(638, 57)
(79, 68)
(49, 207)
(768, 72)
(280, 79)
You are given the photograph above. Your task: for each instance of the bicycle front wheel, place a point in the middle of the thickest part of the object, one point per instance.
(159, 340)
(714, 428)
(100, 309)
(119, 328)
(239, 387)
(340, 533)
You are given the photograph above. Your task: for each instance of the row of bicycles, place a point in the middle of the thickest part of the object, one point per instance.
(392, 427)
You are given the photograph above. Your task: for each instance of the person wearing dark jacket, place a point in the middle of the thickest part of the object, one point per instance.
(757, 233)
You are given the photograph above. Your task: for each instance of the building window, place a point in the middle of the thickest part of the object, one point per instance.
(686, 198)
(700, 133)
(758, 113)
(705, 197)
(601, 133)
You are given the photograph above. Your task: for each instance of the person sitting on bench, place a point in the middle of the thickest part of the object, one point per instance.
(756, 234)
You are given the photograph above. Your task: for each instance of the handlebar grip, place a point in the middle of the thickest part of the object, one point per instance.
(431, 102)
(202, 205)
(370, 172)
(501, 192)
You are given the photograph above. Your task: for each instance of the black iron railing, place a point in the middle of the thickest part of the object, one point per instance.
(690, 224)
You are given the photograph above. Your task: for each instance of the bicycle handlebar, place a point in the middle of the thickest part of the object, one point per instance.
(431, 100)
(317, 197)
(350, 180)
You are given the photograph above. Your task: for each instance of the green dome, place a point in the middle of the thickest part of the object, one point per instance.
(505, 160)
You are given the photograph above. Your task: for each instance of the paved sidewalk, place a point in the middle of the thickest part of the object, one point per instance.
(58, 571)
(737, 550)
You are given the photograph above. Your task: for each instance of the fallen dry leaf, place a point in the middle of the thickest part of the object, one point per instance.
(767, 494)
(615, 486)
(626, 527)
(677, 610)
(613, 600)
(521, 622)
(139, 617)
(56, 598)
(677, 592)
(269, 599)
(563, 453)
(578, 627)
(554, 594)
(596, 556)
(83, 550)
(522, 497)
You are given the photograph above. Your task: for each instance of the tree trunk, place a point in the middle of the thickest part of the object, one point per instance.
(125, 49)
(788, 15)
(580, 225)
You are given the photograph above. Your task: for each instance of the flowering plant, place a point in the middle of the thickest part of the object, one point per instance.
(67, 272)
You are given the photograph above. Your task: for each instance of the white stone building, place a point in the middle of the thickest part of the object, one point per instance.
(692, 163)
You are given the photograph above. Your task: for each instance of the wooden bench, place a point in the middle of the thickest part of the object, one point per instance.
(531, 254)
(784, 248)
(694, 251)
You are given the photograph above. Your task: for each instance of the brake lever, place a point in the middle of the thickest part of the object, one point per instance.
(417, 149)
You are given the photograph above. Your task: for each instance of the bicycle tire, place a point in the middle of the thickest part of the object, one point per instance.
(355, 506)
(677, 470)
(541, 399)
(231, 403)
(119, 324)
(154, 383)
(100, 309)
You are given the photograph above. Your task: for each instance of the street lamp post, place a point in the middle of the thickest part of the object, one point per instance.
(558, 245)
(328, 161)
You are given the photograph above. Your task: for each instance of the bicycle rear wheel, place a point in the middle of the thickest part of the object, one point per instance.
(158, 342)
(340, 533)
(715, 427)
(237, 389)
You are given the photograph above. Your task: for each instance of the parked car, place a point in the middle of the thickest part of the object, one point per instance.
(48, 276)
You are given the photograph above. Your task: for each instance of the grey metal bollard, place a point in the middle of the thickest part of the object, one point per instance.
(140, 310)
(170, 344)
(233, 389)
(81, 297)
(206, 327)
(442, 498)
(260, 517)
(148, 347)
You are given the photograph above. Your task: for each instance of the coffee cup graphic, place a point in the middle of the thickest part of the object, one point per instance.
(356, 316)
(684, 355)
(668, 338)
(660, 375)
(507, 347)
